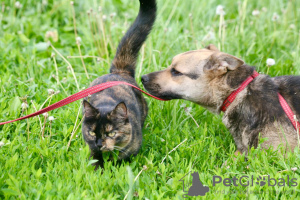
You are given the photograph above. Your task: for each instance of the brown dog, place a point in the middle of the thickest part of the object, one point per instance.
(207, 77)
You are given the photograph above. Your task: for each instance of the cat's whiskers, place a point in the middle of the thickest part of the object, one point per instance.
(120, 149)
(115, 153)
(103, 148)
(117, 147)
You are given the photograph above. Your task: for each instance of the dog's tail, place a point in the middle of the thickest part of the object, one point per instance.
(128, 49)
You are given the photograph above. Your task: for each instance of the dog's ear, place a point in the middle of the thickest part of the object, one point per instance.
(218, 64)
(212, 47)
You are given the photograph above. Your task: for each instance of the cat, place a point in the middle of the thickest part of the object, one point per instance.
(114, 118)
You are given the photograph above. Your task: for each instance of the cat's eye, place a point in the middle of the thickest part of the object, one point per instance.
(92, 133)
(112, 134)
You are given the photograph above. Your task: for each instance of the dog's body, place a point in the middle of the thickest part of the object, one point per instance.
(207, 77)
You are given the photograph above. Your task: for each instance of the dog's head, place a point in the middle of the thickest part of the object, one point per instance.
(198, 76)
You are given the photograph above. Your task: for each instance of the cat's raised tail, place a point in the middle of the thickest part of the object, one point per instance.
(130, 45)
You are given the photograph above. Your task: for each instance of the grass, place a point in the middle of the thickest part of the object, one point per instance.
(33, 167)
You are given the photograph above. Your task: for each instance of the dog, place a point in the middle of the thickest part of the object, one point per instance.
(208, 76)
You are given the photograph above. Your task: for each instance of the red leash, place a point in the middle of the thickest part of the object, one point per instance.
(103, 86)
(288, 111)
(80, 95)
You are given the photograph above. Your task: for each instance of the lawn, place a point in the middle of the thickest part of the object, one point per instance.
(42, 158)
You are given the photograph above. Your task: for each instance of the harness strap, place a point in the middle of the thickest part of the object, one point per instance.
(289, 112)
(233, 95)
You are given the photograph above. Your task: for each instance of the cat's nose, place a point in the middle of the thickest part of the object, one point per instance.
(99, 143)
(145, 79)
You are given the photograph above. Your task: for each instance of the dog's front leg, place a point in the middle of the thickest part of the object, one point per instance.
(237, 153)
(241, 144)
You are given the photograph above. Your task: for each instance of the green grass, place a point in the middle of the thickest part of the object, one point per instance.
(35, 168)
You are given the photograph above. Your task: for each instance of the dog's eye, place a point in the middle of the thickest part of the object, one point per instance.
(175, 72)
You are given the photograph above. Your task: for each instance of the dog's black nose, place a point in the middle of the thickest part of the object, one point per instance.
(145, 79)
(99, 143)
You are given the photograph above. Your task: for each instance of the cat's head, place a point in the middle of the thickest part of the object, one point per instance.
(108, 128)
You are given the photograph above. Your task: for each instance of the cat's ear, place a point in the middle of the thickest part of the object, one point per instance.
(120, 112)
(90, 111)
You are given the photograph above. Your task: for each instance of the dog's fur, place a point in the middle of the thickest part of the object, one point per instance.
(207, 77)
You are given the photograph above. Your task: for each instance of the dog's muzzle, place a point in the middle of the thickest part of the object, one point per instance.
(145, 79)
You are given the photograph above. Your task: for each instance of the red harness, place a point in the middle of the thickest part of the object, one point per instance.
(282, 101)
(80, 95)
(233, 95)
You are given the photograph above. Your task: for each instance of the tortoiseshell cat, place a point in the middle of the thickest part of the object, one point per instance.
(114, 117)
